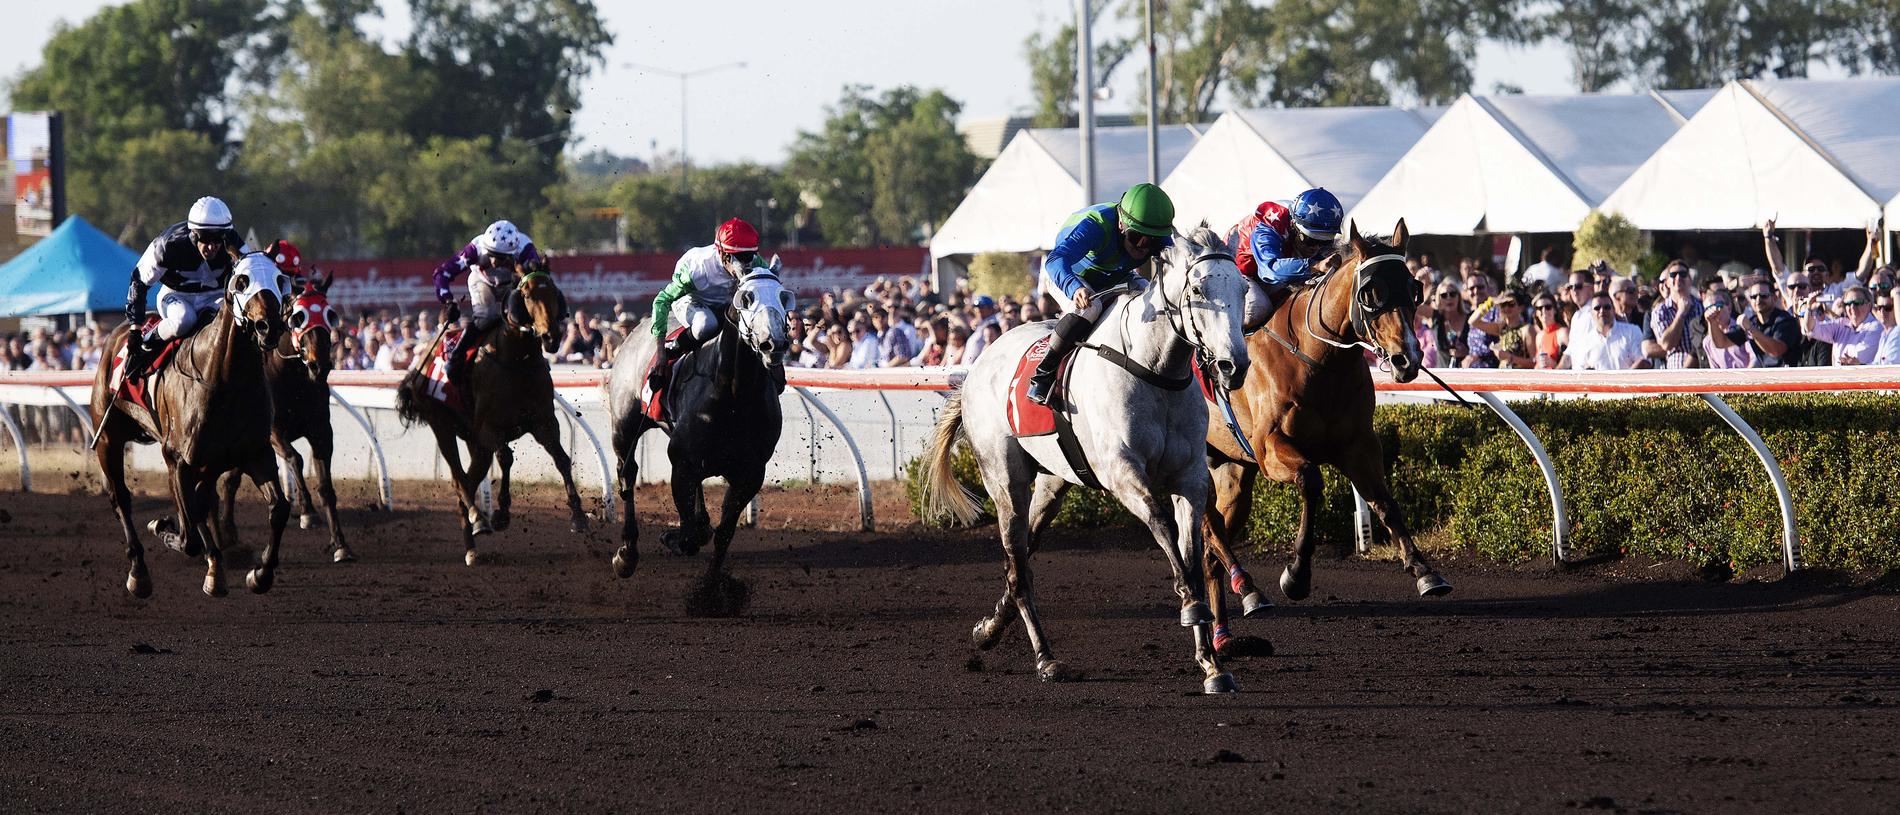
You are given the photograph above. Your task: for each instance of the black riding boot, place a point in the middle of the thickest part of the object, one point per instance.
(1071, 330)
(472, 338)
(670, 352)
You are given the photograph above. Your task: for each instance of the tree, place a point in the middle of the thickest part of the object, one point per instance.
(902, 181)
(149, 182)
(1052, 69)
(1597, 33)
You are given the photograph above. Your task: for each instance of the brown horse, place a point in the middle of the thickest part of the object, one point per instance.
(1308, 401)
(299, 373)
(211, 414)
(509, 392)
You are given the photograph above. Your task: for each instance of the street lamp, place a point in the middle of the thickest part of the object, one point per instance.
(682, 76)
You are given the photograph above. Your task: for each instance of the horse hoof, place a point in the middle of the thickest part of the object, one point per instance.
(578, 524)
(1219, 683)
(1254, 604)
(986, 634)
(498, 522)
(342, 554)
(624, 561)
(138, 584)
(306, 521)
(214, 586)
(1432, 585)
(1196, 613)
(1295, 588)
(1053, 670)
(469, 557)
(670, 542)
(259, 581)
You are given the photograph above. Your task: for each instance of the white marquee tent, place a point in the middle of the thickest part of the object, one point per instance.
(1505, 164)
(1813, 154)
(1249, 156)
(1034, 186)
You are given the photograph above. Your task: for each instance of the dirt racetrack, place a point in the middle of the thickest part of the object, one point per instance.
(537, 682)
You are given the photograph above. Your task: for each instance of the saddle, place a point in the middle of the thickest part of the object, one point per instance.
(655, 401)
(435, 367)
(1026, 418)
(137, 388)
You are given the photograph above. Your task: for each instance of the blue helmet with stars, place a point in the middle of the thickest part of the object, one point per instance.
(1317, 214)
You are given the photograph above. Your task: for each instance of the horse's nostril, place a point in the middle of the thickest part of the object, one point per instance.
(1225, 366)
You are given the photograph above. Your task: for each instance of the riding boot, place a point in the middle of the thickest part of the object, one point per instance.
(670, 352)
(1070, 331)
(472, 338)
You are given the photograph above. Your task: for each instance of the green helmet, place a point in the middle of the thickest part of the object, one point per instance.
(1148, 210)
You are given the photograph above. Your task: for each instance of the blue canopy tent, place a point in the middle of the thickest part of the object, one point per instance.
(75, 269)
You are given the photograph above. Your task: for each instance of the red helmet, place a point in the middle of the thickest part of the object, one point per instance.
(736, 236)
(288, 259)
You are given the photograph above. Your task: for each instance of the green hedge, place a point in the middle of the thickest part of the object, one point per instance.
(1663, 478)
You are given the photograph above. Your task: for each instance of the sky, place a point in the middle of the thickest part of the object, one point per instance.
(798, 57)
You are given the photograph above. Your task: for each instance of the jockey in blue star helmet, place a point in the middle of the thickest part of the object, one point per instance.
(1278, 244)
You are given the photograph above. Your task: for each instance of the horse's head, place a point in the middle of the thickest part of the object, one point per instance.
(1385, 297)
(538, 307)
(254, 294)
(759, 310)
(1199, 276)
(313, 327)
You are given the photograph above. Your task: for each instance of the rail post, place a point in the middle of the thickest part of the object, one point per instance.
(85, 419)
(1560, 516)
(866, 522)
(19, 446)
(375, 448)
(896, 474)
(1362, 521)
(600, 454)
(1790, 540)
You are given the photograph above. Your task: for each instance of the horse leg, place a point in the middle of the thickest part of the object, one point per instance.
(720, 594)
(504, 489)
(195, 505)
(1231, 504)
(628, 475)
(1019, 583)
(1042, 509)
(479, 460)
(473, 523)
(321, 448)
(1362, 467)
(1134, 494)
(226, 509)
(688, 501)
(263, 472)
(1190, 515)
(549, 435)
(305, 517)
(1297, 581)
(138, 579)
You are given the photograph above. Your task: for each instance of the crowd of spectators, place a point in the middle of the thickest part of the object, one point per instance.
(1694, 315)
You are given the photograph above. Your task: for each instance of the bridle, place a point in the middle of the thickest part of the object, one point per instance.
(1180, 321)
(1361, 310)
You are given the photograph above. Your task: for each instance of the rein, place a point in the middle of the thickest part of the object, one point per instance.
(1357, 319)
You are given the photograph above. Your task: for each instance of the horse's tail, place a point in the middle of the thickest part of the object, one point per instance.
(943, 494)
(409, 399)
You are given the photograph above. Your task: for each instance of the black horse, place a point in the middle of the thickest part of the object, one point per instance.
(722, 414)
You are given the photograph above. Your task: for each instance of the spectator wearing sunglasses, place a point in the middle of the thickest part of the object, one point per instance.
(1771, 333)
(1549, 332)
(1578, 293)
(1855, 334)
(1445, 338)
(1676, 327)
(1602, 342)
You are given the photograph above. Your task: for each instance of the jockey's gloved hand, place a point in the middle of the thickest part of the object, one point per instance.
(451, 313)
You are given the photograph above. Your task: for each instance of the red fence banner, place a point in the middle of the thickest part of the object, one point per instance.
(604, 279)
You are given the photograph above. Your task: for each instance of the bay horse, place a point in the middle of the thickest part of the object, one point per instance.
(722, 419)
(1308, 401)
(1141, 428)
(509, 392)
(299, 373)
(211, 414)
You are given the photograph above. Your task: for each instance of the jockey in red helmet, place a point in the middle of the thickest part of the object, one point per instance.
(703, 284)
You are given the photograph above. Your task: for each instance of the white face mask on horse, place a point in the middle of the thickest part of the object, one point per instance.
(762, 304)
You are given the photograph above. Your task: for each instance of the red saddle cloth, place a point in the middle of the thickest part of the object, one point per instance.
(1207, 388)
(435, 368)
(1026, 418)
(655, 404)
(138, 388)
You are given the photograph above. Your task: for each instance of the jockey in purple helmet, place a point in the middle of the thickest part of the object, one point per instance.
(491, 260)
(1278, 244)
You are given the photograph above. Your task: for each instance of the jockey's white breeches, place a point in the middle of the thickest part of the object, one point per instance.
(178, 311)
(1259, 304)
(700, 319)
(1067, 303)
(485, 299)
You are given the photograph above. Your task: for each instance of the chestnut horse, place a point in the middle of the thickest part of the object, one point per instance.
(299, 373)
(211, 414)
(1308, 401)
(509, 392)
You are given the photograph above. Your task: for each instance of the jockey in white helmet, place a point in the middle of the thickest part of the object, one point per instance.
(491, 260)
(189, 263)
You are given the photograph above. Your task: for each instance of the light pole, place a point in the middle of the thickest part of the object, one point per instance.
(682, 76)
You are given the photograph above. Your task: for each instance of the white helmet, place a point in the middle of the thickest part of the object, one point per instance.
(209, 213)
(501, 238)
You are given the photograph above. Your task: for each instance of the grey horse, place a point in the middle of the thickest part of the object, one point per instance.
(1146, 443)
(723, 421)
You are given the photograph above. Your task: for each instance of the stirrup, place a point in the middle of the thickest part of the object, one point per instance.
(1040, 391)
